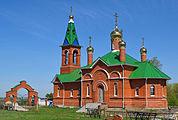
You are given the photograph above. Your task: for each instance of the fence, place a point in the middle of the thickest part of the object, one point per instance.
(144, 115)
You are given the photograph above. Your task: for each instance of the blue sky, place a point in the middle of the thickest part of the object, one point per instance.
(31, 32)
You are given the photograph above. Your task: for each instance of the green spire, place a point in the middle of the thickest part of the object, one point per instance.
(71, 36)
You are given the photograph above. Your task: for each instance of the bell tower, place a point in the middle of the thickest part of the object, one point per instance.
(70, 49)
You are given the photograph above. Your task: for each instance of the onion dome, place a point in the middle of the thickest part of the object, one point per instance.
(116, 33)
(143, 50)
(122, 43)
(90, 48)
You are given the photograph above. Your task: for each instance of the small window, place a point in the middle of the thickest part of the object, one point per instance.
(66, 57)
(113, 46)
(75, 57)
(136, 91)
(79, 92)
(152, 89)
(88, 90)
(72, 92)
(58, 92)
(115, 89)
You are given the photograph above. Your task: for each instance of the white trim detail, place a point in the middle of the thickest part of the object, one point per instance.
(58, 92)
(102, 70)
(136, 91)
(74, 50)
(117, 73)
(97, 61)
(89, 75)
(71, 21)
(101, 82)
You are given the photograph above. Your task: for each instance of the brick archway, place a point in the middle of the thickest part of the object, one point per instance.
(23, 84)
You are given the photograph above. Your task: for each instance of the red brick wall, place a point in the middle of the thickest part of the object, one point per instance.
(90, 58)
(99, 75)
(68, 68)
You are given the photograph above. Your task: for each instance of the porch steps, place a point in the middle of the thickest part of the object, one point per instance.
(88, 105)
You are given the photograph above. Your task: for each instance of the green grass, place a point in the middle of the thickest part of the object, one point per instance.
(44, 113)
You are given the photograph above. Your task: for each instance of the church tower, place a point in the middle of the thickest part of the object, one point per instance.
(116, 36)
(70, 49)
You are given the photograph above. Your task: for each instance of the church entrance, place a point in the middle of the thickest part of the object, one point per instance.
(101, 94)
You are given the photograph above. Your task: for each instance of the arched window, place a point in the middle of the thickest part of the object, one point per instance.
(113, 46)
(72, 92)
(152, 89)
(88, 90)
(58, 92)
(136, 91)
(79, 92)
(115, 89)
(75, 57)
(66, 57)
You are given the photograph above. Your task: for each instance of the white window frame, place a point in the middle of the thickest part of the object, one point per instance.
(79, 92)
(66, 57)
(75, 58)
(72, 92)
(152, 89)
(88, 90)
(136, 91)
(58, 92)
(113, 46)
(115, 90)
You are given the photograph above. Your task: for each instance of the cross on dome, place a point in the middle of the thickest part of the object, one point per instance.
(116, 18)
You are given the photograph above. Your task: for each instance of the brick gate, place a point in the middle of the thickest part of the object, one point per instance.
(31, 92)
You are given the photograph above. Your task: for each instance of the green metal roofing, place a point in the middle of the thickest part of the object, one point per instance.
(70, 77)
(112, 58)
(16, 86)
(71, 36)
(143, 69)
(147, 70)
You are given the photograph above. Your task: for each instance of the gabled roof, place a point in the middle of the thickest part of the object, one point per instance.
(147, 70)
(143, 69)
(71, 36)
(112, 58)
(70, 77)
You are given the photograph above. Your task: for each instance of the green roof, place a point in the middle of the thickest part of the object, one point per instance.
(71, 36)
(147, 70)
(16, 86)
(113, 58)
(143, 69)
(70, 77)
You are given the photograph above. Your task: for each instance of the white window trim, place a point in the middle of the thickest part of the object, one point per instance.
(58, 92)
(115, 90)
(136, 95)
(79, 94)
(72, 92)
(88, 88)
(150, 91)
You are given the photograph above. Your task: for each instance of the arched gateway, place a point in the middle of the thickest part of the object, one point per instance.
(24, 85)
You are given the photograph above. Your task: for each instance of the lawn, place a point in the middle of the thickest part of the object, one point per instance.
(44, 113)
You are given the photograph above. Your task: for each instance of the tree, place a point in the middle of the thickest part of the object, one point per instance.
(49, 96)
(172, 96)
(155, 62)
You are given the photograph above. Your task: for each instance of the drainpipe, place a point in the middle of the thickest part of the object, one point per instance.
(146, 90)
(122, 85)
(81, 90)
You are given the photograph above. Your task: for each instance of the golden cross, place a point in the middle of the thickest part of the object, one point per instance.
(143, 41)
(90, 41)
(116, 18)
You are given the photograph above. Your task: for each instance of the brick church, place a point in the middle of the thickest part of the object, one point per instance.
(116, 79)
